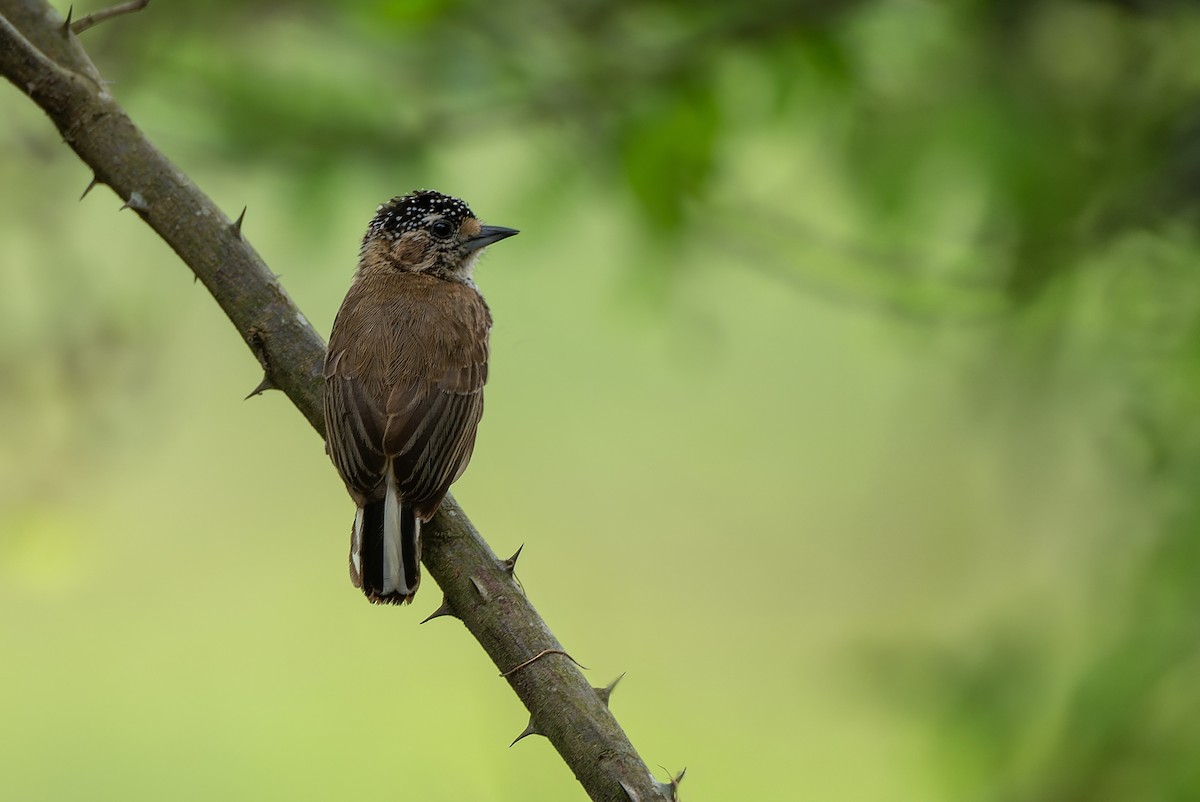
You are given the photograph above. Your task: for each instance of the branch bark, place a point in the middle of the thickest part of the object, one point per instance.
(41, 56)
(94, 19)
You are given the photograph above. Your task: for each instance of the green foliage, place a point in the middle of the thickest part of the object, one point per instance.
(1067, 120)
(984, 485)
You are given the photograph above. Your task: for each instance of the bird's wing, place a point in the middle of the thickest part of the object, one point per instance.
(354, 426)
(432, 420)
(404, 386)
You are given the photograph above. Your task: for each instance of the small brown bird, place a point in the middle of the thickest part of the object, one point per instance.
(404, 380)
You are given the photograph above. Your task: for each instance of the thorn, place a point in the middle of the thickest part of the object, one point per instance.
(444, 609)
(510, 564)
(631, 794)
(66, 26)
(483, 594)
(672, 787)
(263, 386)
(135, 202)
(530, 729)
(237, 224)
(98, 17)
(605, 693)
(91, 185)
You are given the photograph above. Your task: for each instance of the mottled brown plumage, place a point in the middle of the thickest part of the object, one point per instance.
(404, 380)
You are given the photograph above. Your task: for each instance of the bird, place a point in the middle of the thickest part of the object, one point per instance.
(404, 376)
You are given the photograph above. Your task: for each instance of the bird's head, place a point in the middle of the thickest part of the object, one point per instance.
(427, 232)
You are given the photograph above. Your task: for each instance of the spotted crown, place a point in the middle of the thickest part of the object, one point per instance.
(411, 212)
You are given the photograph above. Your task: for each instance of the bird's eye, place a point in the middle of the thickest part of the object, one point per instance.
(441, 228)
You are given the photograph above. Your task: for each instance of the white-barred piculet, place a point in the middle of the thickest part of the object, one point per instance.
(404, 376)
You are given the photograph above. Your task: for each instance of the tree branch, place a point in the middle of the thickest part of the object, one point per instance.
(104, 14)
(42, 58)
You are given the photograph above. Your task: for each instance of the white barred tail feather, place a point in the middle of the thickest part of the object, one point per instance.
(385, 549)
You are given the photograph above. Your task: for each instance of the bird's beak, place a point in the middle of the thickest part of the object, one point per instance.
(487, 235)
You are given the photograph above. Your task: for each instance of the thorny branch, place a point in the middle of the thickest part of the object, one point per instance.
(40, 55)
(95, 18)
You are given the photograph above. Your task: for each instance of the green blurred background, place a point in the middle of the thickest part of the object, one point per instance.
(844, 394)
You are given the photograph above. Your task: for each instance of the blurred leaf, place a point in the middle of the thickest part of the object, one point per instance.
(668, 154)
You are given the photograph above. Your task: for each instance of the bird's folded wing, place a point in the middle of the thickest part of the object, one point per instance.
(430, 431)
(354, 428)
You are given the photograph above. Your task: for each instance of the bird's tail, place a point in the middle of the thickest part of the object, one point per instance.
(385, 550)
